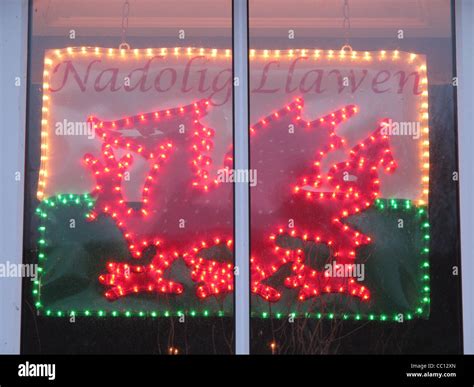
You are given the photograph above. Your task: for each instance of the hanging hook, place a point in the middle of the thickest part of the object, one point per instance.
(125, 13)
(346, 25)
(346, 47)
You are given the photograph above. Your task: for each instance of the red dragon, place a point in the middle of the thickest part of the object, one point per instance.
(186, 213)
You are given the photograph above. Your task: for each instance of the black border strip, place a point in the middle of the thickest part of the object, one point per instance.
(26, 174)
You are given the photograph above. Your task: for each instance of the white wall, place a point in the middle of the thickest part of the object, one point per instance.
(13, 59)
(465, 61)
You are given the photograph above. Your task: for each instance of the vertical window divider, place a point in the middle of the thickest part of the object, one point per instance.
(241, 162)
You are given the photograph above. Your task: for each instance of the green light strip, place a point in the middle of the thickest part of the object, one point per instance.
(344, 316)
(74, 199)
(130, 313)
(422, 310)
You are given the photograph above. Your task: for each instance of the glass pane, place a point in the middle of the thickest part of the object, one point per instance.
(130, 125)
(354, 212)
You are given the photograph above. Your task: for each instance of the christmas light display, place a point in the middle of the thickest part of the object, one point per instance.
(302, 196)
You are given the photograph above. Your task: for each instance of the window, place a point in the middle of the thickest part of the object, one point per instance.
(130, 128)
(133, 199)
(353, 140)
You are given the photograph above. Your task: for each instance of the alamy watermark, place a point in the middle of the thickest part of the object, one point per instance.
(403, 128)
(18, 270)
(74, 128)
(353, 270)
(33, 370)
(227, 175)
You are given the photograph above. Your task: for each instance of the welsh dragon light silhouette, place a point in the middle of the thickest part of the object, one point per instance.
(179, 186)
